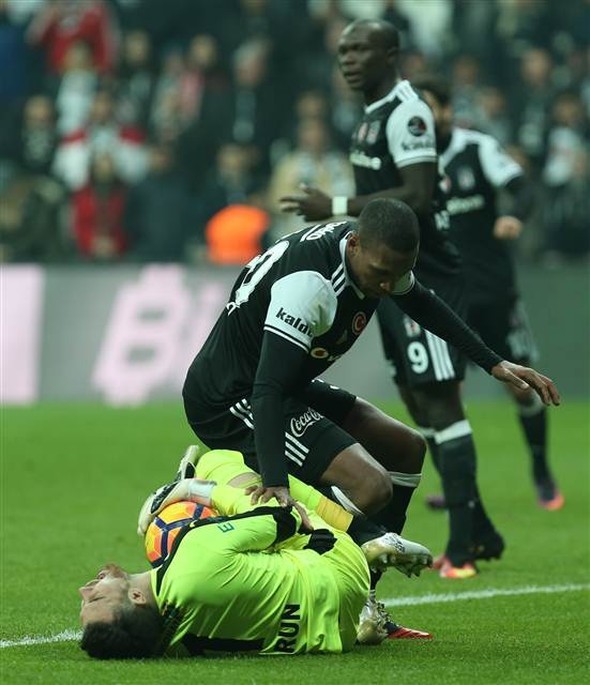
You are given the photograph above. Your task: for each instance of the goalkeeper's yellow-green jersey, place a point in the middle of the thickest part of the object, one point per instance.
(248, 582)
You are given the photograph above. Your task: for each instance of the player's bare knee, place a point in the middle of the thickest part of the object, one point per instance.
(417, 450)
(377, 491)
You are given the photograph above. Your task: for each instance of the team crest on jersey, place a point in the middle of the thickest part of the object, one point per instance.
(322, 353)
(412, 328)
(417, 126)
(373, 132)
(359, 322)
(465, 178)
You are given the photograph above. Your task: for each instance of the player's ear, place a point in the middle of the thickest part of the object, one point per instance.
(136, 596)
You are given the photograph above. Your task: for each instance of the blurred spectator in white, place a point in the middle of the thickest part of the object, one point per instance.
(430, 22)
(136, 80)
(312, 162)
(492, 114)
(76, 88)
(102, 133)
(160, 217)
(59, 23)
(567, 178)
(98, 211)
(530, 101)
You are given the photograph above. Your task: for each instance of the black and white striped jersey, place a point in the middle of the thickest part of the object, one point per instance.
(300, 290)
(394, 132)
(476, 166)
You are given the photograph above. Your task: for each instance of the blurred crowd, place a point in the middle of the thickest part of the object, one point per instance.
(167, 130)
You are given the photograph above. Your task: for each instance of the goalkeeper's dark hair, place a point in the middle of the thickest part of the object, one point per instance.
(134, 633)
(389, 222)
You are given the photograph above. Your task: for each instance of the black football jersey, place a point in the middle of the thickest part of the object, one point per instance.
(396, 131)
(476, 166)
(299, 289)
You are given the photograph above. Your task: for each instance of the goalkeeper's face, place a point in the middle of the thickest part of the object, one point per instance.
(104, 595)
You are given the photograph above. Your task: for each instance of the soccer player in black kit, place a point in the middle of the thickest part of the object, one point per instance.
(293, 311)
(393, 153)
(476, 168)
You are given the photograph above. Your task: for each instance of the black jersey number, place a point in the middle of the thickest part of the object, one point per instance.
(256, 269)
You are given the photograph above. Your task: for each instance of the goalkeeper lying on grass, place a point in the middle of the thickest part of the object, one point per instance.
(265, 579)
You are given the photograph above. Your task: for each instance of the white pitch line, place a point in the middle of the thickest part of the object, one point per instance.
(70, 635)
(483, 594)
(64, 636)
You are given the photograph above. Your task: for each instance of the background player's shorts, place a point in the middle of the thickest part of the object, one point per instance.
(417, 356)
(504, 326)
(312, 440)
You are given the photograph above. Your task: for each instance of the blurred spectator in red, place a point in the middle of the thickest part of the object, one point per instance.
(75, 88)
(59, 23)
(102, 133)
(160, 216)
(136, 80)
(98, 210)
(312, 162)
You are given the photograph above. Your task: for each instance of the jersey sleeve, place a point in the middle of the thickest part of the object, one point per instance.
(410, 134)
(499, 168)
(302, 307)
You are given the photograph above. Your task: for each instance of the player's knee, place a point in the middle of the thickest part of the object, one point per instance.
(416, 450)
(378, 490)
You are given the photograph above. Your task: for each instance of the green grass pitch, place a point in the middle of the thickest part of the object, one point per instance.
(73, 477)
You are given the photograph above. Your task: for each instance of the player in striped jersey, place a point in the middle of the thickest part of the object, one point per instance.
(393, 153)
(293, 311)
(477, 170)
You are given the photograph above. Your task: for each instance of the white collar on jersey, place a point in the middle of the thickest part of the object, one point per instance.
(401, 88)
(347, 276)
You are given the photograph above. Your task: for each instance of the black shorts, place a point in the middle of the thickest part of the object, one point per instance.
(417, 356)
(312, 434)
(504, 326)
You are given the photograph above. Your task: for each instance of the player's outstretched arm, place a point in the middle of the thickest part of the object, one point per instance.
(523, 377)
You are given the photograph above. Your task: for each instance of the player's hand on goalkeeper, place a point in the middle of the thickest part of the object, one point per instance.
(186, 489)
(523, 378)
(260, 495)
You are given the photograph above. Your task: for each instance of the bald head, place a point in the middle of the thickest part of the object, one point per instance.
(367, 56)
(383, 33)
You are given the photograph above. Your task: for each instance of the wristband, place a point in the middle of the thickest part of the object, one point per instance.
(339, 205)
